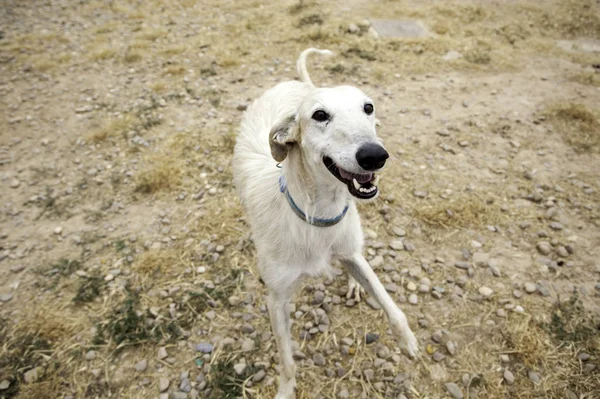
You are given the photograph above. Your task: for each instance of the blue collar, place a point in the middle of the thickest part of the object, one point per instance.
(310, 220)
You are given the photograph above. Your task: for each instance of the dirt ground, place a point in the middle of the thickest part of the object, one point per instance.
(126, 268)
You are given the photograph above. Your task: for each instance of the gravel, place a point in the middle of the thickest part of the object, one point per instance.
(371, 337)
(162, 353)
(534, 377)
(486, 292)
(205, 347)
(319, 360)
(259, 376)
(530, 288)
(544, 247)
(141, 365)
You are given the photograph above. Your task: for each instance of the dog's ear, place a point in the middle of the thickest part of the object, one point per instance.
(282, 137)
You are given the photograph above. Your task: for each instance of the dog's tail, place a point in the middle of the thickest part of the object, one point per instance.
(301, 64)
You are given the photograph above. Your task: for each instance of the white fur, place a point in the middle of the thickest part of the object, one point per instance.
(288, 248)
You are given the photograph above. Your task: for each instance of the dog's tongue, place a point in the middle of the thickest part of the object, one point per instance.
(359, 178)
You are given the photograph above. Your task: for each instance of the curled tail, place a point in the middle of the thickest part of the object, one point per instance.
(301, 64)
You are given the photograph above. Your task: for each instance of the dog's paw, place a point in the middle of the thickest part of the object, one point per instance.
(406, 340)
(355, 290)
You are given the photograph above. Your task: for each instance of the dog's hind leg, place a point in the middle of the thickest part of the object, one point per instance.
(280, 321)
(359, 268)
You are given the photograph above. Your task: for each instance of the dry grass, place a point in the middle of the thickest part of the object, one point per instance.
(160, 261)
(161, 173)
(462, 211)
(586, 78)
(113, 129)
(103, 52)
(577, 124)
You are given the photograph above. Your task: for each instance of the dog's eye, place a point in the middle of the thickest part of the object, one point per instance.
(368, 109)
(320, 116)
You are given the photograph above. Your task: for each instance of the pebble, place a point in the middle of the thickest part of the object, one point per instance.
(409, 246)
(454, 390)
(373, 303)
(248, 345)
(178, 395)
(584, 357)
(369, 374)
(534, 377)
(239, 368)
(5, 297)
(90, 355)
(451, 346)
(15, 183)
(509, 377)
(530, 288)
(248, 328)
(438, 356)
(141, 365)
(544, 247)
(185, 385)
(462, 265)
(376, 262)
(411, 286)
(371, 337)
(397, 245)
(486, 292)
(163, 384)
(420, 193)
(259, 376)
(319, 360)
(162, 353)
(17, 268)
(31, 376)
(205, 347)
(399, 231)
(4, 385)
(562, 252)
(413, 299)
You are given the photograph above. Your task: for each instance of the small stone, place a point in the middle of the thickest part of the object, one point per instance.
(15, 183)
(4, 385)
(398, 231)
(584, 357)
(371, 337)
(562, 252)
(163, 384)
(397, 245)
(534, 377)
(556, 226)
(486, 292)
(411, 286)
(90, 355)
(319, 360)
(530, 288)
(31, 376)
(239, 368)
(544, 247)
(409, 246)
(438, 356)
(501, 312)
(376, 262)
(162, 353)
(353, 29)
(413, 299)
(369, 374)
(463, 265)
(248, 345)
(509, 377)
(373, 303)
(259, 376)
(518, 293)
(454, 390)
(451, 347)
(185, 385)
(17, 268)
(5, 297)
(420, 193)
(204, 347)
(504, 358)
(141, 365)
(248, 328)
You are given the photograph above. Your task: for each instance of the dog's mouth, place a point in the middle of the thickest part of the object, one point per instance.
(362, 186)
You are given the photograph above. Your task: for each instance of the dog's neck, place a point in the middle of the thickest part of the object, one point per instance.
(317, 198)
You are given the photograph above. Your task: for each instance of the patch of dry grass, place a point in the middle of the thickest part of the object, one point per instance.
(462, 211)
(174, 70)
(586, 78)
(577, 124)
(161, 173)
(113, 129)
(133, 55)
(103, 52)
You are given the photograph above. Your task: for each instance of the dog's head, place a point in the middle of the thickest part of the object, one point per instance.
(335, 128)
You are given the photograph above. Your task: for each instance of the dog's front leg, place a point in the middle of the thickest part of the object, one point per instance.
(280, 321)
(359, 268)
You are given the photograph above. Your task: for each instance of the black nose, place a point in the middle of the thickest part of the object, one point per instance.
(371, 156)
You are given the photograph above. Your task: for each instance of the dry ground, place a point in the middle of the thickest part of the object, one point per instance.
(121, 234)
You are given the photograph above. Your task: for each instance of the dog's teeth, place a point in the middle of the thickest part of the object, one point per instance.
(375, 181)
(356, 184)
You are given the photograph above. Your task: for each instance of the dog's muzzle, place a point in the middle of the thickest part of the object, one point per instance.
(360, 185)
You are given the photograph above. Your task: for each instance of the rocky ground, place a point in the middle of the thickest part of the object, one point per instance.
(126, 268)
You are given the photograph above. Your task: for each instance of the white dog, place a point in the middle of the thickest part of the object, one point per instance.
(302, 156)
